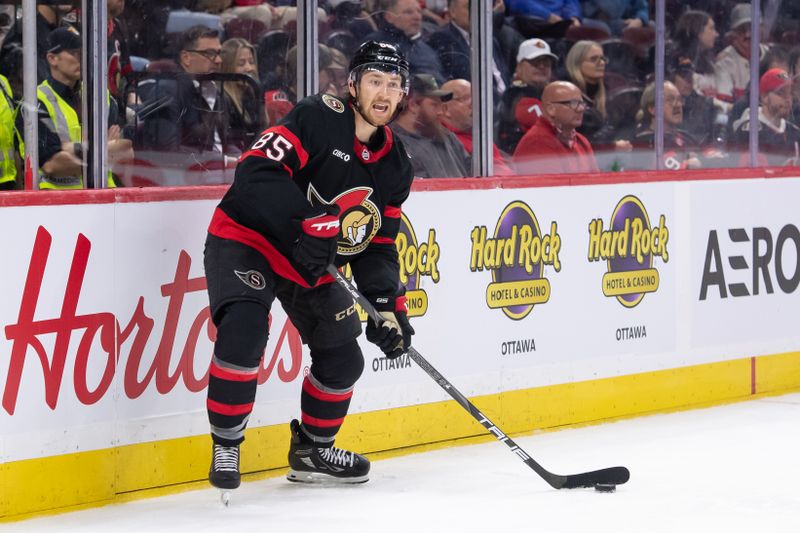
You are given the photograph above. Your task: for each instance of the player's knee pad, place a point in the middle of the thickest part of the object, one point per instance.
(242, 332)
(339, 367)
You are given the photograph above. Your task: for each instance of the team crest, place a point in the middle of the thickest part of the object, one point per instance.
(252, 278)
(359, 218)
(333, 103)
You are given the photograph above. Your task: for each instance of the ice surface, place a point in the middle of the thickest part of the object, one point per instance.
(723, 469)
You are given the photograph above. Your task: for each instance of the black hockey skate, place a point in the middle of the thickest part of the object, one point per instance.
(309, 464)
(224, 473)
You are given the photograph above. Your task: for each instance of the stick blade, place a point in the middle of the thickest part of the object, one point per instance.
(616, 475)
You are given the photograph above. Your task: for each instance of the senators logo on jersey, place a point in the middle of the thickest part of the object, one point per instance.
(359, 218)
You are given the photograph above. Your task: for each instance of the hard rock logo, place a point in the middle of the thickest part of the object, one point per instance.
(629, 246)
(516, 255)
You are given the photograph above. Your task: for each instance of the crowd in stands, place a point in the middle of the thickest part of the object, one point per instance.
(192, 83)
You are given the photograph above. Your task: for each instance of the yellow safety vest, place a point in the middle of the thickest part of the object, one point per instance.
(8, 168)
(68, 127)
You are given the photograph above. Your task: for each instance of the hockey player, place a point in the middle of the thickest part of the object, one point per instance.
(324, 186)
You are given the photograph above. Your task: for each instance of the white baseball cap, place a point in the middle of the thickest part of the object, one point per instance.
(533, 48)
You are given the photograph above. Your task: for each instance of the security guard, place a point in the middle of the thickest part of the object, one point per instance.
(8, 166)
(60, 148)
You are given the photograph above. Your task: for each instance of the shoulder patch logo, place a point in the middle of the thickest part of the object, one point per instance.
(333, 103)
(252, 278)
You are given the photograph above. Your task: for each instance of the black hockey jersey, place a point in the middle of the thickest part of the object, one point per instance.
(313, 157)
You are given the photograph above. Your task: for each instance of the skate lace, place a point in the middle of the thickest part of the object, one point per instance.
(337, 456)
(226, 459)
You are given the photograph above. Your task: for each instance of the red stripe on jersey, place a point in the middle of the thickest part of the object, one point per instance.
(314, 392)
(400, 304)
(228, 409)
(254, 153)
(382, 240)
(233, 375)
(321, 423)
(374, 156)
(391, 211)
(302, 155)
(225, 227)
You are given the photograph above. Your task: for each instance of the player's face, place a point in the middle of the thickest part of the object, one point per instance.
(379, 94)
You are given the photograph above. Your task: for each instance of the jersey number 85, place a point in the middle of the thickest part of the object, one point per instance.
(273, 145)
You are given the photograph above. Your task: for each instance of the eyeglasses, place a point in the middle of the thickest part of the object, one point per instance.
(597, 59)
(209, 54)
(575, 105)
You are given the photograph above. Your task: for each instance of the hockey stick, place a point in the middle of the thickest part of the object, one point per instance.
(606, 478)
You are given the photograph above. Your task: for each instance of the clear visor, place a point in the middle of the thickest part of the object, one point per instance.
(396, 78)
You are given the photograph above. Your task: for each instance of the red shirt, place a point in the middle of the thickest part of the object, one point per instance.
(501, 167)
(541, 152)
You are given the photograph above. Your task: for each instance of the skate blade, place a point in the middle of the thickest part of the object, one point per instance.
(324, 479)
(225, 497)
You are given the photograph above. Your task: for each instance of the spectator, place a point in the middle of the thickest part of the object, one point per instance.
(194, 118)
(60, 141)
(452, 43)
(544, 18)
(695, 38)
(679, 146)
(246, 117)
(553, 145)
(457, 117)
(732, 68)
(8, 137)
(48, 18)
(435, 152)
(778, 139)
(615, 15)
(586, 67)
(337, 74)
(776, 57)
(521, 105)
(794, 72)
(699, 114)
(119, 58)
(401, 25)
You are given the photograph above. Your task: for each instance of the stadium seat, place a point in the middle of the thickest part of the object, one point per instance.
(245, 28)
(641, 39)
(585, 33)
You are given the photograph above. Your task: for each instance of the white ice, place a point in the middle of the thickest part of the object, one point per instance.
(723, 469)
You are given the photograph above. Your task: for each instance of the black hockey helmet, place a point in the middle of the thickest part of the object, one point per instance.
(375, 55)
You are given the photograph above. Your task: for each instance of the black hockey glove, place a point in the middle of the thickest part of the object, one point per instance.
(393, 337)
(315, 249)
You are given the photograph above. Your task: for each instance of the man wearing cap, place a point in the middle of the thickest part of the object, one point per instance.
(778, 139)
(522, 105)
(60, 140)
(435, 152)
(553, 145)
(732, 67)
(457, 117)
